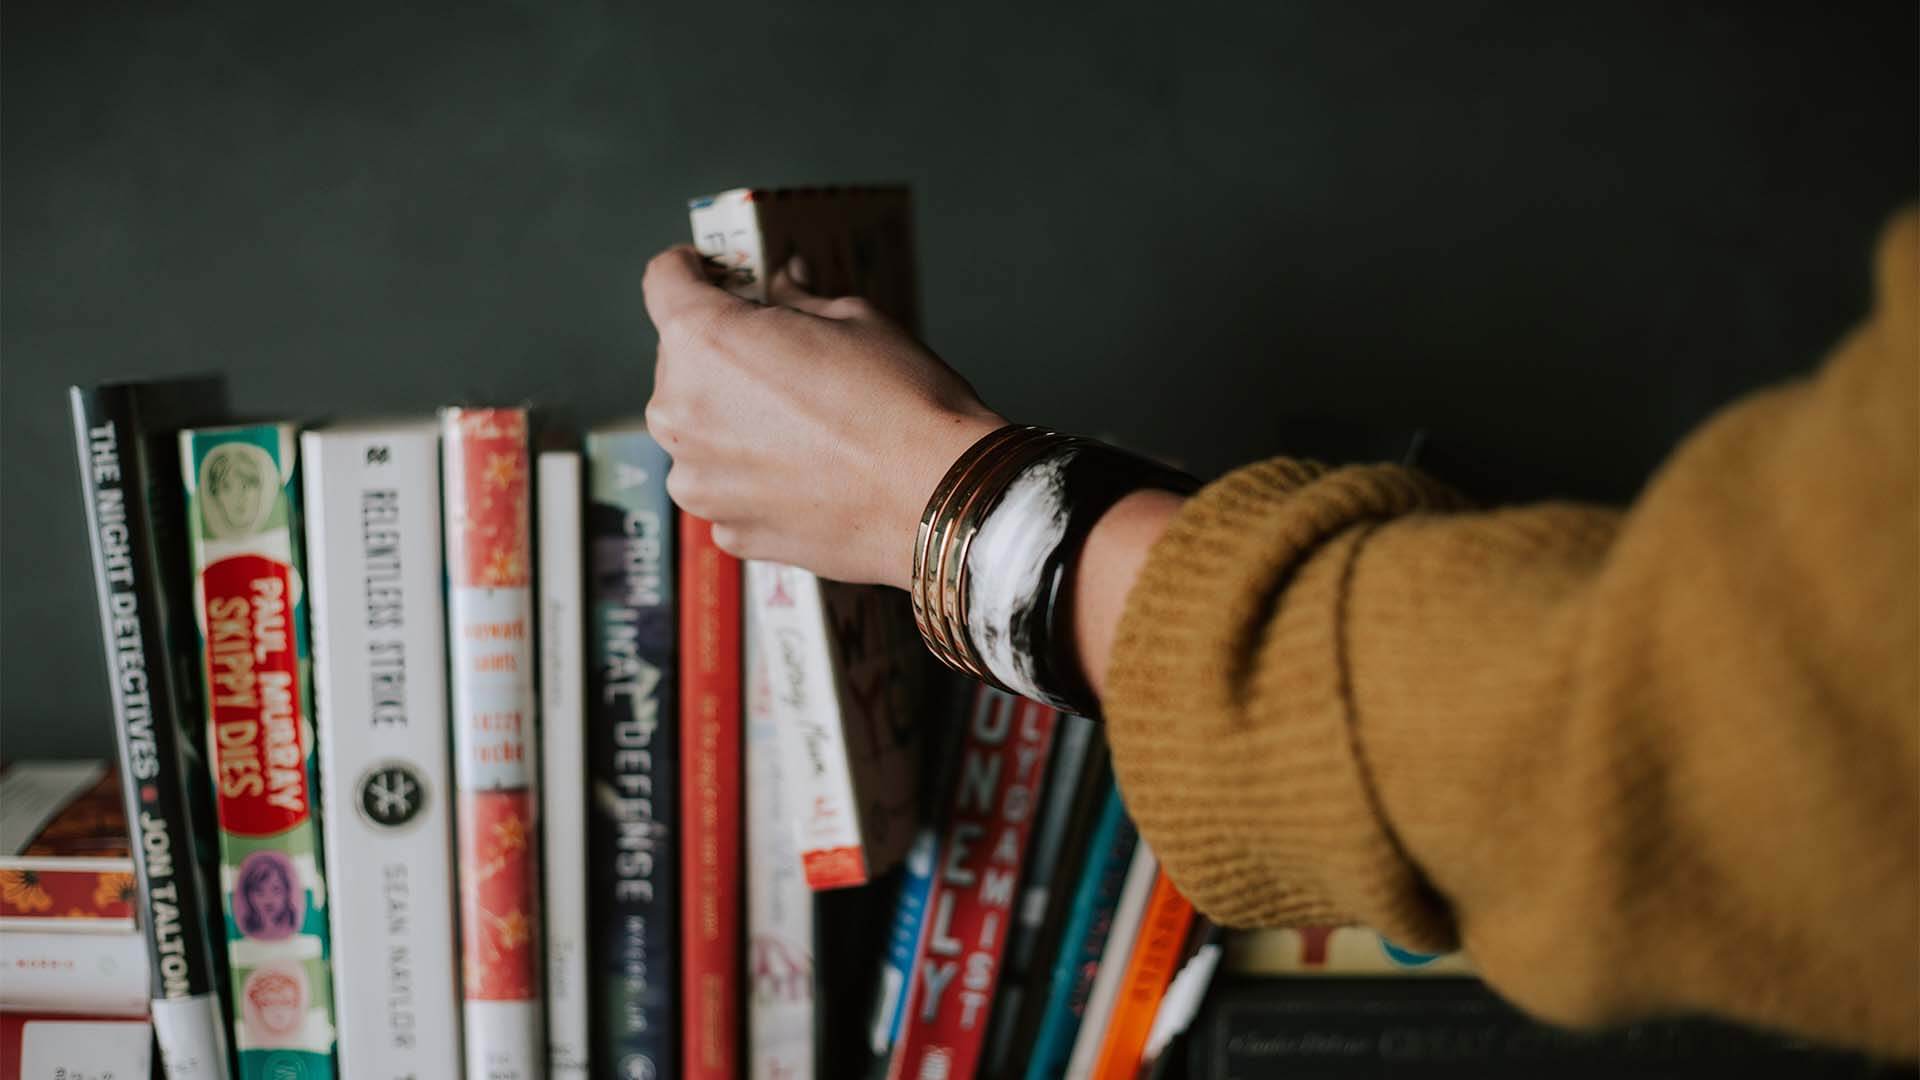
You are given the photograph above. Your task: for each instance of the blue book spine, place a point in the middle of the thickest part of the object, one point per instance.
(633, 756)
(1110, 850)
(903, 940)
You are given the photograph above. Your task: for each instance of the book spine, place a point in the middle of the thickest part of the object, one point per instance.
(175, 909)
(1002, 761)
(909, 927)
(1110, 849)
(791, 619)
(38, 1046)
(780, 969)
(379, 635)
(563, 759)
(710, 722)
(244, 532)
(633, 758)
(1072, 761)
(1121, 936)
(74, 973)
(490, 632)
(1163, 933)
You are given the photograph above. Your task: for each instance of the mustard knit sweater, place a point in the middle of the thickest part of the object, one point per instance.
(1664, 759)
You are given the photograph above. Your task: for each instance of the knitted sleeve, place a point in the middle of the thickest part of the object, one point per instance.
(1665, 759)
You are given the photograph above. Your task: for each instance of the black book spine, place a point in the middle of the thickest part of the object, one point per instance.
(633, 758)
(126, 532)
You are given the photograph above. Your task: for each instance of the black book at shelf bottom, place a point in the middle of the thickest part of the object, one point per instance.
(1348, 1028)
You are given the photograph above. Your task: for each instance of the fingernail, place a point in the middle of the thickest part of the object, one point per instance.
(797, 270)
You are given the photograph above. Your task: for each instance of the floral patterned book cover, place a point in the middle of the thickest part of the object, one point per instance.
(64, 857)
(244, 531)
(489, 537)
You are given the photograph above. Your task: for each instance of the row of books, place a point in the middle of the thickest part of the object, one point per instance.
(449, 747)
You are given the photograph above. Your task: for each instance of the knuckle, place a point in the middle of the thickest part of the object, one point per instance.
(850, 307)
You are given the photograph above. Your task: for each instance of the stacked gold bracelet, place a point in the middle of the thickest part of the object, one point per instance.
(1082, 479)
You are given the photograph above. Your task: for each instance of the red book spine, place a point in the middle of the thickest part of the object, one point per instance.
(1003, 759)
(1163, 934)
(490, 630)
(710, 811)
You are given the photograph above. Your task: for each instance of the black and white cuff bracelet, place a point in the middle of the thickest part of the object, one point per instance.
(994, 561)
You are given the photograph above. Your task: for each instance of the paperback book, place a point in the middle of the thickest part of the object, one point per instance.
(633, 754)
(243, 517)
(559, 492)
(1002, 762)
(489, 547)
(710, 732)
(780, 970)
(379, 632)
(136, 532)
(845, 660)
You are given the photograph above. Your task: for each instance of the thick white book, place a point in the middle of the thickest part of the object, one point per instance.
(563, 758)
(845, 660)
(380, 648)
(1113, 962)
(780, 983)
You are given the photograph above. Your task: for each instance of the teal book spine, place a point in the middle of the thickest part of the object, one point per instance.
(244, 530)
(1109, 851)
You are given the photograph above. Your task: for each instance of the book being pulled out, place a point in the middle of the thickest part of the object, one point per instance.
(844, 661)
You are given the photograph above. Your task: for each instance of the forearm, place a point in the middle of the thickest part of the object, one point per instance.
(1647, 761)
(1115, 551)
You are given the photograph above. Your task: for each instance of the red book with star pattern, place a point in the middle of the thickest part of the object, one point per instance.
(491, 659)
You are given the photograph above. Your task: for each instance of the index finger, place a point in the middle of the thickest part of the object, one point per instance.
(676, 286)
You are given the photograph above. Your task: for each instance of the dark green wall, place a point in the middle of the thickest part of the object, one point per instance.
(1555, 235)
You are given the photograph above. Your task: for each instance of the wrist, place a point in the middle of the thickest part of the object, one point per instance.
(942, 443)
(997, 551)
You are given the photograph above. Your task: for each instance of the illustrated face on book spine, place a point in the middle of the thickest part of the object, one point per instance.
(266, 898)
(235, 488)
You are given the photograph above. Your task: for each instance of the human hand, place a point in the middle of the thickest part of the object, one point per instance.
(810, 431)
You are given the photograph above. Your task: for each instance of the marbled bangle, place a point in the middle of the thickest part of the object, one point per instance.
(996, 553)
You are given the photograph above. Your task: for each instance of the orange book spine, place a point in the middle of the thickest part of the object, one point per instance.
(1163, 933)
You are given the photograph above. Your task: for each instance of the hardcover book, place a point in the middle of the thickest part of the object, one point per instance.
(780, 972)
(1002, 763)
(710, 729)
(64, 858)
(491, 670)
(633, 754)
(380, 661)
(563, 761)
(136, 530)
(846, 661)
(244, 533)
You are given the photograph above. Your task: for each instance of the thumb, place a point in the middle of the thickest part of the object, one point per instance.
(789, 288)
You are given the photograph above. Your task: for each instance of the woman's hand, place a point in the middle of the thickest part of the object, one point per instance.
(810, 432)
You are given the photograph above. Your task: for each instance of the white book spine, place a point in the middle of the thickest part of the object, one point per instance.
(563, 761)
(94, 974)
(379, 643)
(1105, 991)
(780, 1005)
(790, 620)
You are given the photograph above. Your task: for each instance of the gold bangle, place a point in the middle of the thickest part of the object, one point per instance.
(960, 515)
(985, 495)
(941, 494)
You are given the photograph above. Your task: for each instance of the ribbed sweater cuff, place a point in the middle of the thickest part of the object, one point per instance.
(1228, 711)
